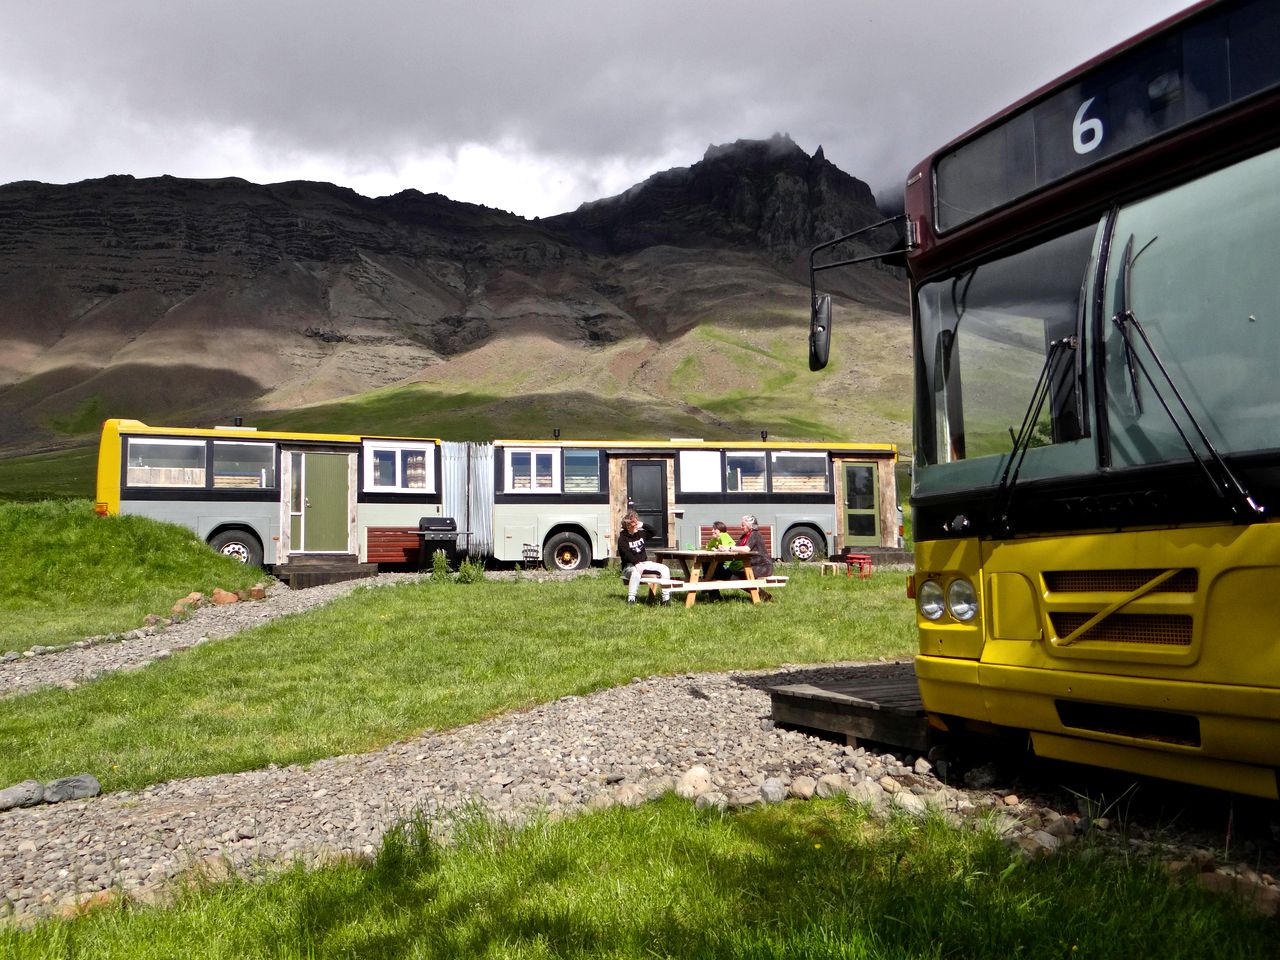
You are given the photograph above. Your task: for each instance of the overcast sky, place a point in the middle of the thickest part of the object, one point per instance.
(531, 106)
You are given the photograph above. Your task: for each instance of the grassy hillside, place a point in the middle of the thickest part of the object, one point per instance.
(69, 574)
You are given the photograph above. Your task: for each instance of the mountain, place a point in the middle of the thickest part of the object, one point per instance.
(677, 306)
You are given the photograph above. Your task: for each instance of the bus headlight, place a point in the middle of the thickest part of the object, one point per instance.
(929, 600)
(962, 600)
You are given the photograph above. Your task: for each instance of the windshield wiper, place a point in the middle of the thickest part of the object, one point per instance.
(1225, 483)
(1022, 442)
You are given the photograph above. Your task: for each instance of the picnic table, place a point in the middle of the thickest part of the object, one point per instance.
(705, 570)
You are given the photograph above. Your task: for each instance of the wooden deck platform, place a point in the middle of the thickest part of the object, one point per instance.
(879, 703)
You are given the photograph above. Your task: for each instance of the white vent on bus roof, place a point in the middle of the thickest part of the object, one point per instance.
(686, 440)
(225, 426)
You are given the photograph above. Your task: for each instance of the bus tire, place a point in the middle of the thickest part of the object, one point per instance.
(566, 551)
(238, 545)
(804, 544)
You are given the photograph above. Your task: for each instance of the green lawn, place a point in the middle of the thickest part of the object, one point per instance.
(814, 881)
(804, 880)
(391, 662)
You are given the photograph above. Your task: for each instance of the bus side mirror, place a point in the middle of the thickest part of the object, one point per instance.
(820, 332)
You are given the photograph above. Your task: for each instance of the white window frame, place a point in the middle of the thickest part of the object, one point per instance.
(534, 452)
(381, 446)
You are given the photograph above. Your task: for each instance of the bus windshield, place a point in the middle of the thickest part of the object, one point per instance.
(1187, 266)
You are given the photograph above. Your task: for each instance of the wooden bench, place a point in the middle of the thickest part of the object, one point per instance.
(394, 545)
(750, 586)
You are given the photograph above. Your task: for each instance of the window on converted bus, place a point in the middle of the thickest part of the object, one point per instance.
(533, 470)
(581, 471)
(248, 466)
(985, 339)
(1202, 285)
(798, 472)
(399, 467)
(744, 472)
(700, 471)
(164, 463)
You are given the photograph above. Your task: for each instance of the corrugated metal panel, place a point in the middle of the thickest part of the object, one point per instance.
(467, 470)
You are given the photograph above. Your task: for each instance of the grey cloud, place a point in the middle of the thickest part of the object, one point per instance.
(878, 83)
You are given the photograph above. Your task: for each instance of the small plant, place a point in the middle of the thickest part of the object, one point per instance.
(439, 566)
(470, 571)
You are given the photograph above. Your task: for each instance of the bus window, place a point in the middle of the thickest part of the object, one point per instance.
(799, 472)
(533, 471)
(744, 472)
(165, 463)
(1205, 294)
(985, 336)
(407, 468)
(582, 471)
(247, 465)
(700, 471)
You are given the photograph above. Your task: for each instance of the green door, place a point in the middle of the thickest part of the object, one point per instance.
(861, 505)
(325, 500)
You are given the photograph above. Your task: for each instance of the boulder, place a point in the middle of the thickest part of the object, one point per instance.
(25, 794)
(79, 787)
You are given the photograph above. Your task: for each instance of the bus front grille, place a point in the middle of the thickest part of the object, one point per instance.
(1168, 629)
(1118, 581)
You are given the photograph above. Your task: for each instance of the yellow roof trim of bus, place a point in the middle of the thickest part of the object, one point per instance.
(705, 445)
(137, 427)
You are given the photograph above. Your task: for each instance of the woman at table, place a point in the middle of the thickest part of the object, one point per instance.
(635, 561)
(757, 553)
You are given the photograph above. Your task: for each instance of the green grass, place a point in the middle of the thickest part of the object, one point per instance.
(817, 880)
(60, 475)
(381, 665)
(69, 574)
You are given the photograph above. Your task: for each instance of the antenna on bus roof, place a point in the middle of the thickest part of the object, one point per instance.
(764, 435)
(556, 433)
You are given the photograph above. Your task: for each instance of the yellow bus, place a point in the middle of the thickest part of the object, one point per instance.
(1096, 474)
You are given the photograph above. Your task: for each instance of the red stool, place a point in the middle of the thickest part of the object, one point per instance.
(860, 560)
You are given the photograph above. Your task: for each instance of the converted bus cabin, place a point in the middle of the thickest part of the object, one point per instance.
(812, 499)
(271, 497)
(281, 498)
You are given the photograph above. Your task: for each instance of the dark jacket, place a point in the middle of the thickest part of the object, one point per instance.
(761, 562)
(631, 545)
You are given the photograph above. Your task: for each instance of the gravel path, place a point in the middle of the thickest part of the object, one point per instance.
(708, 735)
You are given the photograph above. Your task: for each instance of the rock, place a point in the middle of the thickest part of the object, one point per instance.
(982, 778)
(922, 767)
(773, 790)
(1262, 898)
(79, 787)
(1038, 844)
(803, 787)
(25, 794)
(257, 592)
(711, 799)
(832, 785)
(695, 782)
(909, 803)
(868, 793)
(222, 597)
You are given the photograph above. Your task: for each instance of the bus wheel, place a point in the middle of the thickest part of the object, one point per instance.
(238, 545)
(566, 551)
(803, 544)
